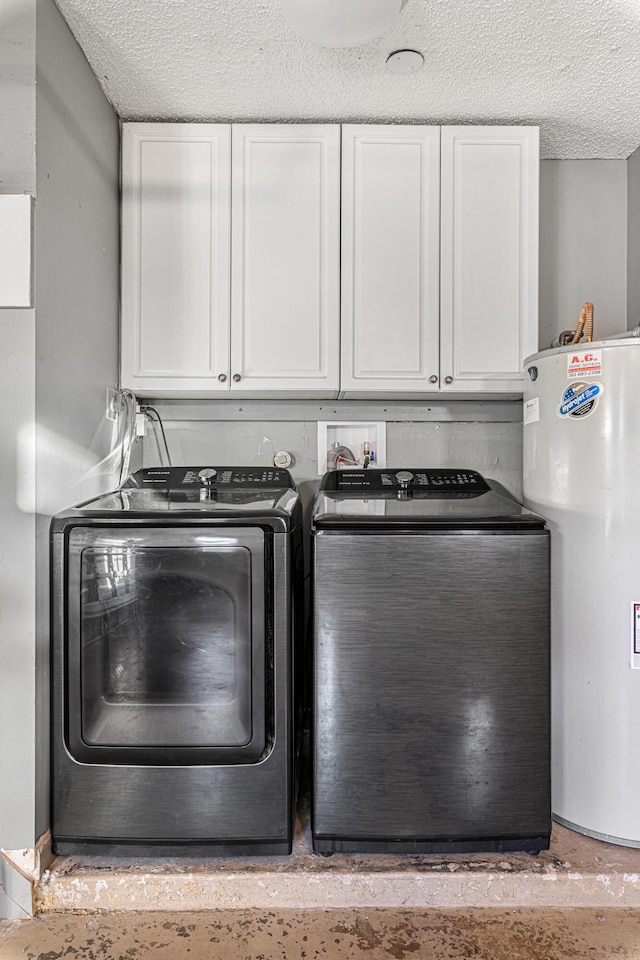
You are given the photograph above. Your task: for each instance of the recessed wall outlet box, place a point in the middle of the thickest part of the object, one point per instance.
(16, 250)
(351, 444)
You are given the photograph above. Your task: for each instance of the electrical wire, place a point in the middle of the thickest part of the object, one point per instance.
(152, 414)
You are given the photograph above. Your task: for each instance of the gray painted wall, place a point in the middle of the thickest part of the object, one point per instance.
(77, 296)
(487, 436)
(17, 386)
(583, 245)
(17, 578)
(77, 266)
(17, 96)
(57, 362)
(633, 240)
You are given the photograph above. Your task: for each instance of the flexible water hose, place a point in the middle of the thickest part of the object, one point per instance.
(585, 321)
(581, 322)
(589, 322)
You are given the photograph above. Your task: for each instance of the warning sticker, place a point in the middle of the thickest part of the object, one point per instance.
(579, 400)
(586, 363)
(531, 411)
(635, 636)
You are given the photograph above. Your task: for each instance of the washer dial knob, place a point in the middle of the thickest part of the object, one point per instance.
(207, 476)
(404, 478)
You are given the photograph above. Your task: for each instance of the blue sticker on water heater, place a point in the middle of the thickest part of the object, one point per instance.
(579, 400)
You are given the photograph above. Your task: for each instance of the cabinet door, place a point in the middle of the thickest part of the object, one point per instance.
(285, 259)
(489, 257)
(175, 258)
(390, 256)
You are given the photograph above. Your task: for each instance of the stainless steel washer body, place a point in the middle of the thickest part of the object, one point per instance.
(175, 605)
(431, 665)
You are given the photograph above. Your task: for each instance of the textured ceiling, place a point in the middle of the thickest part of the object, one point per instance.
(571, 66)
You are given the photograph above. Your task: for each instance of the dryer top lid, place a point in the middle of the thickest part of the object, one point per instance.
(221, 493)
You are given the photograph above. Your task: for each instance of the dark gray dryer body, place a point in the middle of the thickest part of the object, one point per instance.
(175, 602)
(431, 665)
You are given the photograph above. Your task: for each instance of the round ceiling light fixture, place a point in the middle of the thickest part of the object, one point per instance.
(405, 61)
(340, 23)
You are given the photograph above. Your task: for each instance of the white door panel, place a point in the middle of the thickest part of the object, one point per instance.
(489, 256)
(175, 257)
(390, 253)
(285, 258)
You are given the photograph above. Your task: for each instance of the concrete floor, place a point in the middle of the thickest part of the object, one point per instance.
(340, 934)
(576, 871)
(580, 900)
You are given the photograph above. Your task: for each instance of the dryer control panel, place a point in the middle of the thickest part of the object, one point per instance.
(185, 478)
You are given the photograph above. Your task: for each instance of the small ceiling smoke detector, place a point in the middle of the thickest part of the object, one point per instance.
(340, 23)
(405, 61)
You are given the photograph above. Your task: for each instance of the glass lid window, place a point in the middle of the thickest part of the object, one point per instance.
(167, 643)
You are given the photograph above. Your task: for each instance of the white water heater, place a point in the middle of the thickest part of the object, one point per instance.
(582, 472)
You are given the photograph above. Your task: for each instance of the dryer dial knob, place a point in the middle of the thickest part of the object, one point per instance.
(207, 476)
(404, 478)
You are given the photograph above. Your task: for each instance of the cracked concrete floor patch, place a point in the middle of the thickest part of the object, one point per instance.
(483, 934)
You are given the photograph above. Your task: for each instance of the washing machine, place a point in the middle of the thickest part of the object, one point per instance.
(176, 613)
(430, 665)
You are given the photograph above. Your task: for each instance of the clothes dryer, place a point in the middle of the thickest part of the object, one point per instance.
(175, 614)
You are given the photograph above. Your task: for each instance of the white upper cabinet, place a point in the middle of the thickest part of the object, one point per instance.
(285, 266)
(231, 270)
(281, 260)
(176, 181)
(390, 259)
(488, 257)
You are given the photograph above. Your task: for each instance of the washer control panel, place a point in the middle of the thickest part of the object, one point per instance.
(185, 478)
(417, 479)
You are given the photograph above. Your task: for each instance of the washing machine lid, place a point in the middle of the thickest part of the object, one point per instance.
(203, 492)
(417, 497)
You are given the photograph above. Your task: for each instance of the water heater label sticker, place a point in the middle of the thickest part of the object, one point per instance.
(579, 400)
(635, 636)
(584, 363)
(531, 411)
